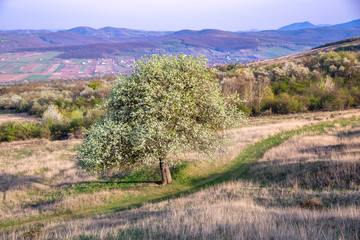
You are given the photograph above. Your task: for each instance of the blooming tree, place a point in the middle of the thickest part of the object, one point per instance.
(167, 106)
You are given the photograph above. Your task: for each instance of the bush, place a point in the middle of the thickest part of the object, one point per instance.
(62, 103)
(94, 84)
(13, 131)
(96, 101)
(56, 122)
(77, 122)
(80, 102)
(283, 104)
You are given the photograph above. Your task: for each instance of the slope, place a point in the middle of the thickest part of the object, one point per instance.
(333, 46)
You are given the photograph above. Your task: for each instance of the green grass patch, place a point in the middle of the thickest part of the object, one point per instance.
(37, 77)
(275, 52)
(16, 69)
(4, 66)
(44, 68)
(59, 67)
(83, 68)
(50, 55)
(38, 68)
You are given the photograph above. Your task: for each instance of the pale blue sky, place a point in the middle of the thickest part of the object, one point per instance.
(230, 15)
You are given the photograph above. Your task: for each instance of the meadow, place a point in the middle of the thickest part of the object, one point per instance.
(283, 176)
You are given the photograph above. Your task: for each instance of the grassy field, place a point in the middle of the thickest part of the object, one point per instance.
(293, 177)
(37, 77)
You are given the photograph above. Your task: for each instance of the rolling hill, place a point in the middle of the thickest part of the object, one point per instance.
(342, 45)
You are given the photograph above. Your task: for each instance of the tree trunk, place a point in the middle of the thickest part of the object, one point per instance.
(165, 173)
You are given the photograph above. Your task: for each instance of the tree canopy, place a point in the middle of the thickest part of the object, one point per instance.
(168, 105)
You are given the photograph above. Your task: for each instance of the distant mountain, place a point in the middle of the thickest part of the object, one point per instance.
(352, 24)
(297, 26)
(304, 25)
(87, 31)
(112, 32)
(323, 25)
(14, 40)
(87, 42)
(70, 38)
(214, 39)
(124, 32)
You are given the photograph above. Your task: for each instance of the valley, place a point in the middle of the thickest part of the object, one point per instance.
(83, 52)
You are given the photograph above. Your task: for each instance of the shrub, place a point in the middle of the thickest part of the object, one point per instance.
(94, 84)
(80, 102)
(96, 101)
(77, 122)
(12, 131)
(62, 103)
(56, 122)
(37, 108)
(283, 104)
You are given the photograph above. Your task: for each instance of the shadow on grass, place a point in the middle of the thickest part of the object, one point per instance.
(11, 181)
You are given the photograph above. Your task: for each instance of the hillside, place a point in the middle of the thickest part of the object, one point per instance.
(352, 24)
(70, 38)
(324, 78)
(332, 46)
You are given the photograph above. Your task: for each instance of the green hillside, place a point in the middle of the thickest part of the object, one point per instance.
(326, 78)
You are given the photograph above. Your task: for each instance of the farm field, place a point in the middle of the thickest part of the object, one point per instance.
(32, 66)
(280, 174)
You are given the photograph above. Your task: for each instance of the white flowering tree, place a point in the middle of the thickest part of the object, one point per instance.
(168, 105)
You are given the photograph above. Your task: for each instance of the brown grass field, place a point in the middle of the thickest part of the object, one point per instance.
(69, 68)
(12, 77)
(306, 188)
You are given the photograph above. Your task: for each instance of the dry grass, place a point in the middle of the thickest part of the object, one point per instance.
(248, 209)
(32, 171)
(227, 211)
(17, 117)
(329, 161)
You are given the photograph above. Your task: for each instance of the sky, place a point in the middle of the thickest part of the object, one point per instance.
(231, 15)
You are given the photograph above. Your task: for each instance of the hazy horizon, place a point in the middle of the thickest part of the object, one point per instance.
(251, 29)
(161, 15)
